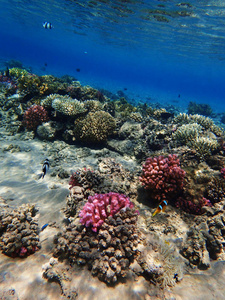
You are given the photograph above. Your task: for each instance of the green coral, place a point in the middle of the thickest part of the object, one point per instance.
(95, 127)
(29, 84)
(17, 72)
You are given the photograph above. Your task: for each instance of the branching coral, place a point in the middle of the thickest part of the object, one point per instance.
(34, 116)
(64, 105)
(187, 133)
(204, 146)
(68, 106)
(101, 206)
(162, 176)
(205, 122)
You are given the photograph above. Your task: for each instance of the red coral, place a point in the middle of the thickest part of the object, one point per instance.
(34, 116)
(101, 206)
(163, 176)
(74, 180)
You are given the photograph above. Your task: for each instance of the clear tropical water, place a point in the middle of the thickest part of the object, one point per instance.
(157, 50)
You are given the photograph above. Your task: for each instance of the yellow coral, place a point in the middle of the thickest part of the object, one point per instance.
(17, 72)
(95, 127)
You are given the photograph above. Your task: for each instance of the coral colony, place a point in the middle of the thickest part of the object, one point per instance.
(162, 176)
(101, 206)
(34, 116)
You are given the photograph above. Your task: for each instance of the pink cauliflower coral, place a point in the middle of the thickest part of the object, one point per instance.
(34, 116)
(163, 176)
(101, 206)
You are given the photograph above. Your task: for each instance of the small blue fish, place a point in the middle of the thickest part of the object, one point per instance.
(44, 226)
(47, 25)
(45, 168)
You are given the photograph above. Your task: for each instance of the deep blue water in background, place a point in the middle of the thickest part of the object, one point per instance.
(155, 49)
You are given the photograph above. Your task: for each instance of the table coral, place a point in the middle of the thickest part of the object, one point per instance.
(163, 176)
(34, 116)
(101, 206)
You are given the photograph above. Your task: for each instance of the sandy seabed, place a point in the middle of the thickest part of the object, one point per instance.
(21, 278)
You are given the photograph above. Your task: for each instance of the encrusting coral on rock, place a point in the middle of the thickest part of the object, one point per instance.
(19, 231)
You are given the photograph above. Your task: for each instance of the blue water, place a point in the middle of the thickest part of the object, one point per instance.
(123, 44)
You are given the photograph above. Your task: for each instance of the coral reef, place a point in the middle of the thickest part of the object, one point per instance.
(160, 262)
(48, 130)
(93, 105)
(34, 116)
(68, 106)
(215, 190)
(19, 231)
(187, 133)
(57, 272)
(163, 177)
(108, 252)
(192, 206)
(101, 206)
(202, 109)
(198, 133)
(110, 176)
(95, 127)
(205, 239)
(74, 201)
(64, 105)
(7, 85)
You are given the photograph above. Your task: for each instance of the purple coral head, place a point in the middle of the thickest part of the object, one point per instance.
(101, 206)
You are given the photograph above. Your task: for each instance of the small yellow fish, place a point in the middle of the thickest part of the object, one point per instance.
(161, 207)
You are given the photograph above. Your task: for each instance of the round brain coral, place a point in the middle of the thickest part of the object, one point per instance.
(95, 127)
(101, 206)
(163, 176)
(34, 116)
